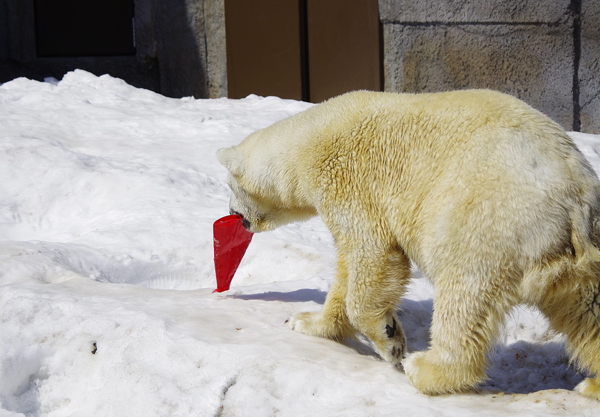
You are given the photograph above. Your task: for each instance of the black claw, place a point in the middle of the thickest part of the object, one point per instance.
(286, 321)
(391, 330)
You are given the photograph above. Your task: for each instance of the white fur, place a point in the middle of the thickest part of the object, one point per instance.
(487, 196)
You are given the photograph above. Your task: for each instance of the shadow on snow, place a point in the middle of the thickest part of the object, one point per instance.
(520, 368)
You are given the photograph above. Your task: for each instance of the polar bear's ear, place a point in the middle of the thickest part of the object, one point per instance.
(231, 159)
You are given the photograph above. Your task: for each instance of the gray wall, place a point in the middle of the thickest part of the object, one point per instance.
(180, 48)
(589, 67)
(546, 52)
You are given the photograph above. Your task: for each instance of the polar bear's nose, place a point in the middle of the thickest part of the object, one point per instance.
(245, 222)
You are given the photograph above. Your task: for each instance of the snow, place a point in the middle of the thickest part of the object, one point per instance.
(107, 198)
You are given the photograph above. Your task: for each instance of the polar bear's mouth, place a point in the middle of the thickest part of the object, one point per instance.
(245, 222)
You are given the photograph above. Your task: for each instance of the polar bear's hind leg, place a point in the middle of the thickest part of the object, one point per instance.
(576, 313)
(465, 323)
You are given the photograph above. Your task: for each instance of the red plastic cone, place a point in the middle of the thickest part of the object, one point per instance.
(231, 240)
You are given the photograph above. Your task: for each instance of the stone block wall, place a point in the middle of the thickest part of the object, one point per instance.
(545, 52)
(589, 67)
(180, 48)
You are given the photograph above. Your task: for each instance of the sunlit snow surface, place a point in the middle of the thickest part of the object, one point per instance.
(107, 198)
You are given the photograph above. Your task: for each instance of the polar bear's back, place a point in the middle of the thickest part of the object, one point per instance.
(451, 172)
(478, 136)
(441, 172)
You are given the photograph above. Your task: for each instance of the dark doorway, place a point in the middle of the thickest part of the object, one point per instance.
(302, 49)
(68, 28)
(263, 48)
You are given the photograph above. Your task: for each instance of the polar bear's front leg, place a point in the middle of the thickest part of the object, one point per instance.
(375, 285)
(331, 322)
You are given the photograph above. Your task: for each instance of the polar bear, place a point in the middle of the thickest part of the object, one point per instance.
(489, 197)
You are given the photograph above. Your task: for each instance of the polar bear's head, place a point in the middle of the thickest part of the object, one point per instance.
(259, 191)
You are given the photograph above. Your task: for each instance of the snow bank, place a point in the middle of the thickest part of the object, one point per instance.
(106, 206)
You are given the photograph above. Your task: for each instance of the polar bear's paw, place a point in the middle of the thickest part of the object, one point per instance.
(394, 352)
(589, 388)
(393, 347)
(317, 324)
(304, 323)
(433, 377)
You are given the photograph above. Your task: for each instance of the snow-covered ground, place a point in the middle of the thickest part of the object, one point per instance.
(107, 198)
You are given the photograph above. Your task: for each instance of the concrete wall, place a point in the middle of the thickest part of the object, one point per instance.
(545, 52)
(589, 67)
(180, 48)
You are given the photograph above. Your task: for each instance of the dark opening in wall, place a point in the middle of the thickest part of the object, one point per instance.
(68, 28)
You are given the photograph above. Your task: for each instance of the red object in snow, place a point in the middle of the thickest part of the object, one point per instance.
(231, 240)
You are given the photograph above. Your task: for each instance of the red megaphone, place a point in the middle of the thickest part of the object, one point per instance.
(231, 239)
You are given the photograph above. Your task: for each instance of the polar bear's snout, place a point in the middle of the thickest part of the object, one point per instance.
(245, 221)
